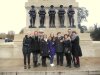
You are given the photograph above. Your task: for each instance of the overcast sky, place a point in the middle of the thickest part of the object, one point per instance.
(13, 15)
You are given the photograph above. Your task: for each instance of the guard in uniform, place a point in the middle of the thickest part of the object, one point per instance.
(61, 16)
(52, 13)
(42, 13)
(32, 14)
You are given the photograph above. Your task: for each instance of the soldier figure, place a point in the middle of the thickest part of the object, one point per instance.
(42, 13)
(32, 14)
(52, 13)
(61, 15)
(71, 13)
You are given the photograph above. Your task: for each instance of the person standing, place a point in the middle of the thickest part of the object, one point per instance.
(59, 49)
(51, 45)
(76, 49)
(35, 48)
(32, 14)
(44, 50)
(61, 15)
(67, 49)
(26, 51)
(70, 14)
(42, 13)
(52, 13)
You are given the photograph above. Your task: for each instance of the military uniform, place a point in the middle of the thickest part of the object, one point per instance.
(61, 15)
(52, 13)
(42, 13)
(32, 14)
(71, 13)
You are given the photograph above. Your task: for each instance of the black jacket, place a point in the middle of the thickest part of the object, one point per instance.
(44, 48)
(35, 46)
(26, 45)
(58, 44)
(76, 49)
(67, 45)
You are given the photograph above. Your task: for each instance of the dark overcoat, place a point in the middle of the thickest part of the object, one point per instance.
(44, 48)
(34, 47)
(76, 49)
(58, 44)
(26, 44)
(67, 45)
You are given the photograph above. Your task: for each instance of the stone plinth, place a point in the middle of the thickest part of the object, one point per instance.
(51, 30)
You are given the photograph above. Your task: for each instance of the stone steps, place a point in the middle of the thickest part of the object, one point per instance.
(53, 73)
(89, 66)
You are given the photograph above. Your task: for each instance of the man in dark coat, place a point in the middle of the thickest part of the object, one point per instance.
(42, 13)
(52, 13)
(76, 49)
(26, 51)
(35, 48)
(70, 14)
(61, 16)
(32, 14)
(59, 48)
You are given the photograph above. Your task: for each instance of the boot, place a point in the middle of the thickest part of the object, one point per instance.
(78, 65)
(29, 66)
(25, 67)
(35, 64)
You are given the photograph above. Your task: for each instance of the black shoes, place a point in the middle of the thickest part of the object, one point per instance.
(44, 65)
(25, 67)
(77, 65)
(29, 66)
(68, 66)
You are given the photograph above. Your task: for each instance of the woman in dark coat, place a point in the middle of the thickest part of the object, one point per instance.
(67, 49)
(26, 51)
(44, 50)
(76, 49)
(51, 45)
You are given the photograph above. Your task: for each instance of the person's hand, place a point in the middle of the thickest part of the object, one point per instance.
(61, 40)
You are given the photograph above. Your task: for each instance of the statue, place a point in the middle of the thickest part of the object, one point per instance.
(71, 13)
(52, 13)
(32, 14)
(42, 13)
(61, 15)
(82, 15)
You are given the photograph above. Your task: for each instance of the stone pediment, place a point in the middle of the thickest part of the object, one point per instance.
(47, 3)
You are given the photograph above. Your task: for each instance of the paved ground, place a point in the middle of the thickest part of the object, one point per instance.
(16, 65)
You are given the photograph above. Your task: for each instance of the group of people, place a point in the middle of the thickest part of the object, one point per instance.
(43, 48)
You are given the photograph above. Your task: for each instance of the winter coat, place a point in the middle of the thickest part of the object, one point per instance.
(26, 44)
(51, 45)
(58, 44)
(76, 49)
(44, 48)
